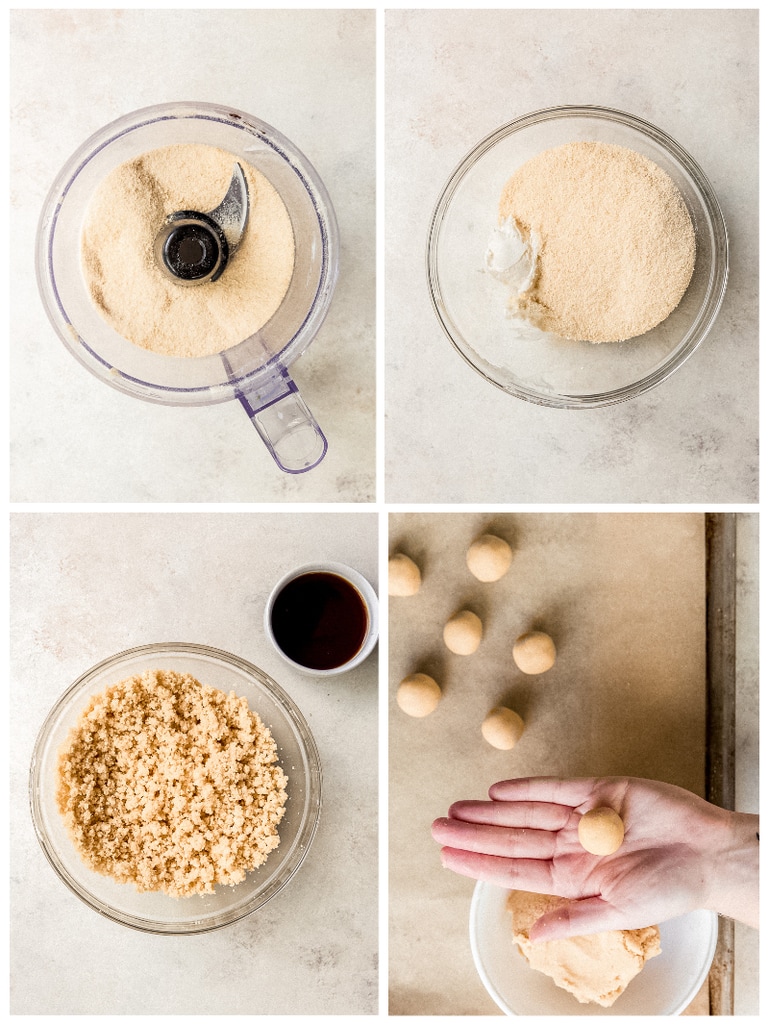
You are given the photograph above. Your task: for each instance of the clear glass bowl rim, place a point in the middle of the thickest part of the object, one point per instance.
(314, 784)
(717, 278)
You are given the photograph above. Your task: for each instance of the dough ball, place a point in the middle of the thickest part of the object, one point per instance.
(502, 728)
(418, 695)
(462, 633)
(601, 831)
(534, 653)
(404, 578)
(489, 558)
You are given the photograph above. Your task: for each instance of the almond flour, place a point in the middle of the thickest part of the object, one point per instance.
(171, 785)
(128, 288)
(616, 242)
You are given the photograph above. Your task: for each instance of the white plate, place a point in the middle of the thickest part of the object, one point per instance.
(666, 985)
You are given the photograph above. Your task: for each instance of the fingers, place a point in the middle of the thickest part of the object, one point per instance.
(570, 792)
(512, 814)
(496, 840)
(518, 873)
(527, 829)
(578, 917)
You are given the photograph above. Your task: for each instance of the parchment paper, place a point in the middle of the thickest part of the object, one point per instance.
(623, 596)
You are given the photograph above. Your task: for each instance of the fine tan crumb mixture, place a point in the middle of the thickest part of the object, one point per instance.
(617, 242)
(128, 288)
(171, 785)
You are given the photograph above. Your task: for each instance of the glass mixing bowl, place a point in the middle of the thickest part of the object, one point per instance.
(255, 372)
(471, 305)
(157, 912)
(665, 986)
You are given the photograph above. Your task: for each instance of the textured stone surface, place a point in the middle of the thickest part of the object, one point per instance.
(75, 439)
(86, 586)
(452, 77)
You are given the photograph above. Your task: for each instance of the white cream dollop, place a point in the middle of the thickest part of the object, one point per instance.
(510, 258)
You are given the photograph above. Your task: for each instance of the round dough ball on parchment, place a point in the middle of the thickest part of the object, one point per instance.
(418, 695)
(502, 728)
(534, 653)
(601, 831)
(404, 577)
(462, 633)
(489, 558)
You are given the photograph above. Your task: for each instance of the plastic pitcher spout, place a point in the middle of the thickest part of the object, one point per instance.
(284, 423)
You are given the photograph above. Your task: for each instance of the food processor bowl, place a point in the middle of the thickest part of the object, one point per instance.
(255, 371)
(519, 358)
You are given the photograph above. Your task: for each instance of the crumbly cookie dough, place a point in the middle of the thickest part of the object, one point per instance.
(616, 245)
(121, 273)
(171, 785)
(594, 968)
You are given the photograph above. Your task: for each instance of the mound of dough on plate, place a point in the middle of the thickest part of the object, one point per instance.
(594, 968)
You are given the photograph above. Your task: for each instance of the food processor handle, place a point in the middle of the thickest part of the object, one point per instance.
(285, 424)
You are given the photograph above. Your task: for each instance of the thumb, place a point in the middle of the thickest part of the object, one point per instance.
(577, 917)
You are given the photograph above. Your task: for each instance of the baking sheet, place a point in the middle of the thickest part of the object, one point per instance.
(721, 539)
(624, 597)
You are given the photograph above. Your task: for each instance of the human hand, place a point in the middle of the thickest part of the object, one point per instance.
(680, 853)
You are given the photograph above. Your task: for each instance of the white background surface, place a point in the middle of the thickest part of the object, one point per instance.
(78, 595)
(310, 74)
(85, 586)
(451, 78)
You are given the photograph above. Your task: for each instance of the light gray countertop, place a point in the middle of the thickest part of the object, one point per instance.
(86, 586)
(452, 77)
(310, 74)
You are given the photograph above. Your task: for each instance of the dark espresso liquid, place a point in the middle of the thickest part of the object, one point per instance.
(319, 620)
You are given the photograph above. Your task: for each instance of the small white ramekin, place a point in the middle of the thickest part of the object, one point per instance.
(368, 596)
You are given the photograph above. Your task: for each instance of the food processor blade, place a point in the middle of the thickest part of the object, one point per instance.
(194, 248)
(232, 213)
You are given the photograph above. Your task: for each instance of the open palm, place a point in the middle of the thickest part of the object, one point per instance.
(525, 837)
